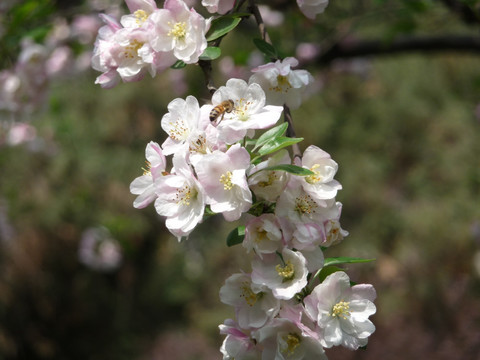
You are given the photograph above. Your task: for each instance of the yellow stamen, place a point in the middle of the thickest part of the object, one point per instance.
(341, 309)
(283, 85)
(316, 177)
(147, 168)
(305, 205)
(247, 293)
(292, 342)
(226, 180)
(141, 16)
(178, 130)
(179, 30)
(185, 195)
(287, 272)
(131, 50)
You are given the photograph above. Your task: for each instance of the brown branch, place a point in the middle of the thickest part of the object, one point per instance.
(206, 66)
(291, 131)
(434, 44)
(258, 18)
(468, 15)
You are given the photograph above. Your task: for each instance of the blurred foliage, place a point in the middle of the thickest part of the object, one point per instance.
(403, 130)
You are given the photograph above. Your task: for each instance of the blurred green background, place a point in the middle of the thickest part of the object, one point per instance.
(404, 129)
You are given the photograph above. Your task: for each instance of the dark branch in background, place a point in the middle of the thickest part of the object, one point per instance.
(363, 48)
(206, 66)
(258, 18)
(286, 110)
(468, 15)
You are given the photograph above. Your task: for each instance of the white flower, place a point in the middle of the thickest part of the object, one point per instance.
(269, 184)
(263, 235)
(310, 8)
(98, 250)
(143, 186)
(184, 125)
(179, 30)
(285, 276)
(249, 112)
(281, 84)
(222, 175)
(283, 340)
(321, 184)
(218, 6)
(140, 11)
(180, 198)
(254, 305)
(342, 311)
(238, 345)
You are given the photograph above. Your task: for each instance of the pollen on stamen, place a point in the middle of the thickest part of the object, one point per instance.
(305, 204)
(316, 177)
(341, 309)
(247, 293)
(178, 130)
(131, 50)
(141, 16)
(226, 180)
(292, 341)
(179, 30)
(184, 195)
(287, 272)
(147, 168)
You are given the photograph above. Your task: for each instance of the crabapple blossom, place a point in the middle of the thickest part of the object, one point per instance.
(269, 184)
(180, 198)
(99, 250)
(222, 175)
(218, 6)
(238, 344)
(342, 311)
(310, 8)
(263, 235)
(140, 11)
(144, 186)
(249, 113)
(285, 276)
(188, 128)
(254, 304)
(179, 30)
(321, 184)
(281, 84)
(283, 340)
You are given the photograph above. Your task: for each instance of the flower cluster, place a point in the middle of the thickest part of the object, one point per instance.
(148, 40)
(291, 216)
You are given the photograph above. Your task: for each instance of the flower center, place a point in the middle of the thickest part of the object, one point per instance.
(247, 293)
(226, 180)
(185, 194)
(179, 30)
(178, 130)
(131, 50)
(283, 85)
(241, 110)
(287, 272)
(272, 176)
(199, 145)
(141, 16)
(261, 236)
(292, 341)
(305, 205)
(341, 309)
(147, 170)
(316, 177)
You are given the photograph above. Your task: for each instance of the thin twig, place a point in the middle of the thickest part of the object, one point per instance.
(291, 131)
(286, 110)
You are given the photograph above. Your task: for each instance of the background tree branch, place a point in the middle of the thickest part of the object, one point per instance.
(426, 44)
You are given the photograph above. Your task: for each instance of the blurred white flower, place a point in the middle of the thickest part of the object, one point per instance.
(98, 250)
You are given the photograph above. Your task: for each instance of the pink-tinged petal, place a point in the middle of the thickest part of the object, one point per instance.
(147, 5)
(108, 80)
(364, 291)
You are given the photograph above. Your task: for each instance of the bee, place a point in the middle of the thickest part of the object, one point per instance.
(226, 106)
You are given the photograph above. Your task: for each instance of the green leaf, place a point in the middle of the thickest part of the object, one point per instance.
(345, 260)
(277, 144)
(222, 26)
(266, 48)
(236, 236)
(178, 65)
(271, 134)
(292, 169)
(325, 271)
(211, 53)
